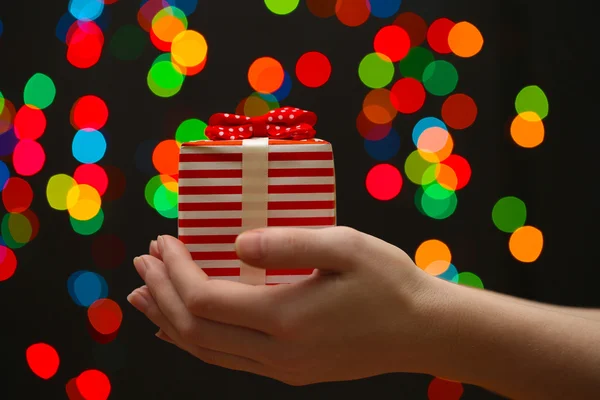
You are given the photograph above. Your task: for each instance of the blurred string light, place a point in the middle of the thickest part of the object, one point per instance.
(527, 128)
(43, 360)
(526, 242)
(434, 257)
(90, 384)
(184, 51)
(401, 72)
(20, 131)
(441, 389)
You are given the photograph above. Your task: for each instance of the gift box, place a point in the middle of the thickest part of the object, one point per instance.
(267, 171)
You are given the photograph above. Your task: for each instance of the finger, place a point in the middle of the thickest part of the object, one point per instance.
(335, 249)
(142, 298)
(202, 332)
(153, 250)
(218, 300)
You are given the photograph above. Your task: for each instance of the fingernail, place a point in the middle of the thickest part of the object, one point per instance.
(163, 336)
(153, 243)
(137, 300)
(161, 243)
(249, 245)
(140, 266)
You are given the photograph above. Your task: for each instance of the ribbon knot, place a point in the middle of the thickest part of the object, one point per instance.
(282, 123)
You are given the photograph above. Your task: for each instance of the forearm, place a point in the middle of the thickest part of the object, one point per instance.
(589, 313)
(516, 350)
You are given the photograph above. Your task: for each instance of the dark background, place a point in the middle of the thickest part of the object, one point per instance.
(526, 42)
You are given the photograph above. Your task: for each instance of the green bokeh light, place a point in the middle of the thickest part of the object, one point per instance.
(191, 130)
(509, 214)
(414, 64)
(438, 202)
(151, 187)
(16, 230)
(165, 202)
(282, 7)
(128, 43)
(532, 98)
(1, 102)
(171, 11)
(440, 78)
(376, 72)
(89, 227)
(470, 279)
(164, 79)
(39, 91)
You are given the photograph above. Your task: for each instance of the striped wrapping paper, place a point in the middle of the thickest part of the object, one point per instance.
(301, 193)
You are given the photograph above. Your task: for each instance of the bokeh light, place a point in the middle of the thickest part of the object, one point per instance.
(19, 229)
(105, 316)
(128, 43)
(352, 12)
(43, 360)
(440, 78)
(91, 384)
(376, 70)
(384, 149)
(265, 75)
(86, 10)
(190, 130)
(85, 44)
(322, 8)
(8, 263)
(408, 95)
(165, 78)
(313, 69)
(384, 182)
(532, 99)
(384, 8)
(4, 174)
(89, 112)
(7, 115)
(441, 389)
(89, 146)
(166, 157)
(17, 195)
(28, 157)
(281, 7)
(437, 35)
(392, 41)
(29, 123)
(89, 227)
(414, 25)
(39, 92)
(527, 130)
(189, 48)
(92, 175)
(433, 256)
(526, 244)
(83, 202)
(378, 107)
(509, 214)
(166, 25)
(57, 189)
(470, 279)
(415, 62)
(465, 40)
(86, 287)
(459, 111)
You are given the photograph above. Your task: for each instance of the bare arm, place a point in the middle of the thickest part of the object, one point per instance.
(516, 348)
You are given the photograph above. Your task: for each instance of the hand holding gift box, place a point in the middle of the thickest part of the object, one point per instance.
(255, 172)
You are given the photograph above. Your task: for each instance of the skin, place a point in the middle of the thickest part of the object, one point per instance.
(368, 310)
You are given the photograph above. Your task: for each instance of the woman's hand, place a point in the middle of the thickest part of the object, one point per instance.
(366, 311)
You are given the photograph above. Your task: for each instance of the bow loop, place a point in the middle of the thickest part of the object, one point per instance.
(282, 123)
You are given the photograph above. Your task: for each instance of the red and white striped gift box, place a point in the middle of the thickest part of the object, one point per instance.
(220, 196)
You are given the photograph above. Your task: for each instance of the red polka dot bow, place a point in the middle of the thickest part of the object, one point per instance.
(282, 123)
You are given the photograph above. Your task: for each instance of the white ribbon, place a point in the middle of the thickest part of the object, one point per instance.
(255, 198)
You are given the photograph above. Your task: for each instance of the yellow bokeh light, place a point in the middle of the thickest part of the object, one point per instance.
(433, 256)
(167, 27)
(527, 130)
(526, 244)
(254, 106)
(446, 177)
(83, 202)
(57, 189)
(189, 48)
(20, 228)
(465, 40)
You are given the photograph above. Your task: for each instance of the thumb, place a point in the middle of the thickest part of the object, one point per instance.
(335, 249)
